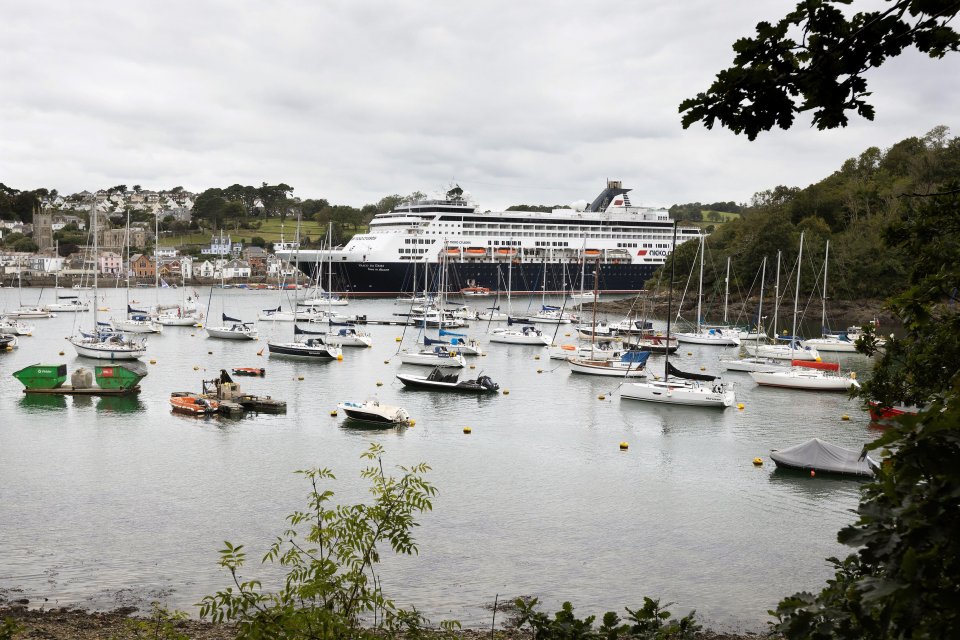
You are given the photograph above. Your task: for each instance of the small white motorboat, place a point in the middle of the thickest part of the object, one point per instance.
(374, 413)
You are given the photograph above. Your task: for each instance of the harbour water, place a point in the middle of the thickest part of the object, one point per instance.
(116, 501)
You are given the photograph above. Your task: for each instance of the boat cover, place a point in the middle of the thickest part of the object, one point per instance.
(431, 341)
(451, 333)
(132, 310)
(672, 370)
(636, 357)
(823, 456)
(227, 318)
(297, 331)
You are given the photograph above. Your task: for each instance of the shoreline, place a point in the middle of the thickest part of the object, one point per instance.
(78, 624)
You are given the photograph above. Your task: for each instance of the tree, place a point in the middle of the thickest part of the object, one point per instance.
(774, 77)
(210, 206)
(902, 582)
(332, 554)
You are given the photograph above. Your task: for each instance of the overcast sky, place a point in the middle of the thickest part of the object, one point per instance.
(517, 101)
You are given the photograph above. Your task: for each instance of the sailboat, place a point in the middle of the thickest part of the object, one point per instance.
(102, 343)
(236, 329)
(830, 343)
(754, 363)
(794, 349)
(321, 297)
(693, 389)
(630, 365)
(437, 352)
(136, 320)
(527, 334)
(716, 336)
(73, 303)
(306, 343)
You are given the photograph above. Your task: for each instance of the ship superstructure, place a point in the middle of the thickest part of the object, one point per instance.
(629, 242)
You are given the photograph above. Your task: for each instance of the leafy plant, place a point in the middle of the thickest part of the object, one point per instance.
(650, 622)
(332, 588)
(9, 628)
(161, 625)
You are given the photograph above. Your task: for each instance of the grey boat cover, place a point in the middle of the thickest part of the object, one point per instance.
(822, 456)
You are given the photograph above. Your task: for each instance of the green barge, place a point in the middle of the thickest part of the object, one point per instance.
(111, 380)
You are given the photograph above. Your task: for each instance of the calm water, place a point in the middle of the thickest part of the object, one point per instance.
(115, 501)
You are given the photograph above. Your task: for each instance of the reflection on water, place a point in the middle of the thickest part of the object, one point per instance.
(120, 404)
(32, 402)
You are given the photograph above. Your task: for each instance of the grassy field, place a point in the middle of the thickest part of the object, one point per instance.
(270, 230)
(724, 216)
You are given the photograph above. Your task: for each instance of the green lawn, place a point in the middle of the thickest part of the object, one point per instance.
(724, 216)
(270, 230)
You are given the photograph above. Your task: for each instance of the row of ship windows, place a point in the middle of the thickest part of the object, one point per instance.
(516, 234)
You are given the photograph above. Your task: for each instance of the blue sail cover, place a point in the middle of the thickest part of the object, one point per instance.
(451, 333)
(549, 308)
(227, 318)
(635, 357)
(429, 341)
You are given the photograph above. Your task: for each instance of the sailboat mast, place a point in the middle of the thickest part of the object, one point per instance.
(796, 297)
(776, 299)
(823, 312)
(673, 268)
(509, 288)
(96, 261)
(700, 291)
(763, 276)
(726, 292)
(156, 258)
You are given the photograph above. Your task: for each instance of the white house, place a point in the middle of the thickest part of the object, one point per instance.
(205, 269)
(236, 269)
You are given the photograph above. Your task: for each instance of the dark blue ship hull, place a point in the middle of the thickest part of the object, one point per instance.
(375, 279)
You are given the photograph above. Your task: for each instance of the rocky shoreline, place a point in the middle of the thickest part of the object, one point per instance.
(77, 624)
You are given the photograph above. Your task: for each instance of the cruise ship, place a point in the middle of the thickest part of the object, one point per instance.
(529, 252)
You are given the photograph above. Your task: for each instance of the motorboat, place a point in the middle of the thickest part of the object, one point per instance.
(880, 413)
(439, 380)
(598, 330)
(822, 457)
(832, 344)
(375, 413)
(8, 342)
(476, 292)
(72, 304)
(177, 316)
(439, 356)
(30, 313)
(810, 376)
(630, 365)
(317, 348)
(459, 342)
(301, 314)
(193, 404)
(249, 371)
(136, 322)
(631, 327)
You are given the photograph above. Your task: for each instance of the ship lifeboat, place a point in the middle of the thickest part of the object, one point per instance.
(453, 252)
(506, 252)
(822, 366)
(476, 251)
(194, 405)
(592, 252)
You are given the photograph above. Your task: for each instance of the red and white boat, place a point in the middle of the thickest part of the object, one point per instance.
(879, 413)
(477, 292)
(812, 376)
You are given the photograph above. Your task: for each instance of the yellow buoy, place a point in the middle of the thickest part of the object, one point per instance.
(853, 375)
(467, 430)
(411, 422)
(567, 335)
(539, 370)
(299, 377)
(379, 384)
(339, 357)
(473, 366)
(193, 335)
(199, 326)
(536, 357)
(153, 361)
(740, 406)
(601, 397)
(196, 368)
(398, 339)
(61, 353)
(703, 368)
(506, 392)
(844, 417)
(624, 446)
(689, 353)
(818, 359)
(758, 462)
(386, 362)
(333, 414)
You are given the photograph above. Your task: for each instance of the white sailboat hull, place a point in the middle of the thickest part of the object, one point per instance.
(717, 340)
(136, 326)
(679, 392)
(433, 359)
(508, 336)
(782, 352)
(808, 379)
(832, 345)
(752, 364)
(231, 333)
(612, 368)
(100, 350)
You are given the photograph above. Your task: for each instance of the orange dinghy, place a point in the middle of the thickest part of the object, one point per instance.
(194, 405)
